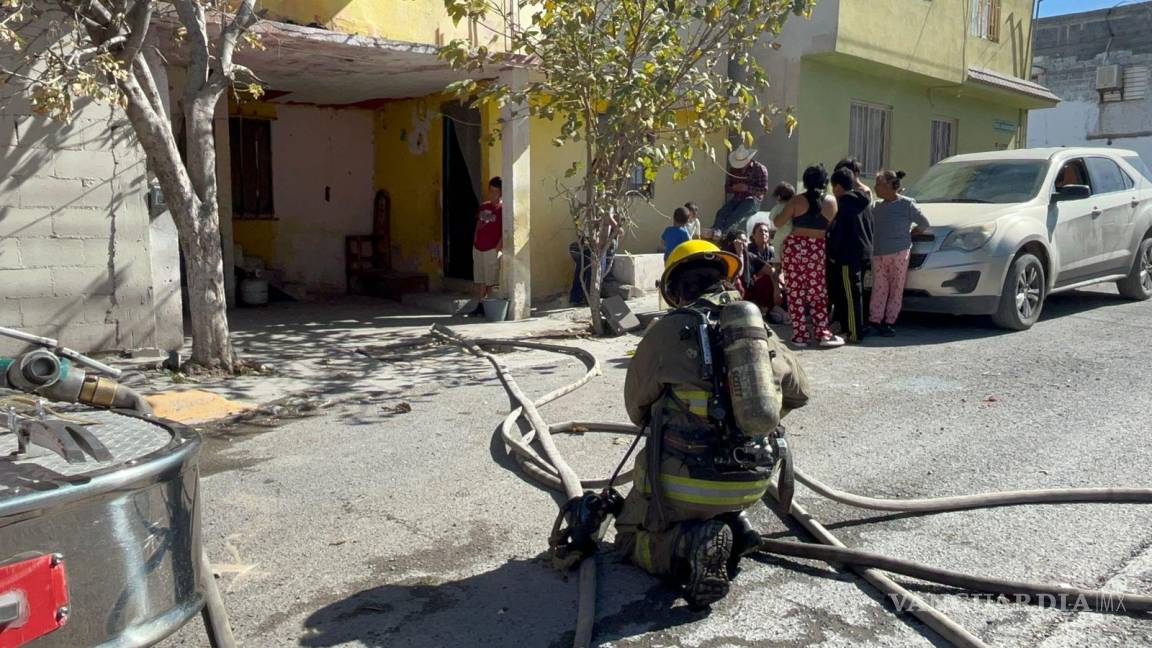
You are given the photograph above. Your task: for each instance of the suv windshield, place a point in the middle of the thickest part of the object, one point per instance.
(987, 181)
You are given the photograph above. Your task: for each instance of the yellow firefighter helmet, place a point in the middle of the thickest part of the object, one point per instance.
(695, 250)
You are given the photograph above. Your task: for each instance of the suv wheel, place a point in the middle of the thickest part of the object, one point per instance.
(1023, 295)
(1138, 284)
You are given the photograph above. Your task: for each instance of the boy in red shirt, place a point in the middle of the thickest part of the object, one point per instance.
(487, 244)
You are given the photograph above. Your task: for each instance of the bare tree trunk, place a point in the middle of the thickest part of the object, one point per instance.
(211, 341)
(197, 218)
(595, 283)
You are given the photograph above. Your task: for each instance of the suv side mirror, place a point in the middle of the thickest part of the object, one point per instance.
(1072, 192)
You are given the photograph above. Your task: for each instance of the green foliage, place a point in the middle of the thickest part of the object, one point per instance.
(636, 82)
(84, 54)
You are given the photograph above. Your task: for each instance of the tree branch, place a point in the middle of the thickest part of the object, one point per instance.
(138, 18)
(191, 15)
(148, 85)
(16, 75)
(90, 9)
(160, 148)
(241, 22)
(101, 48)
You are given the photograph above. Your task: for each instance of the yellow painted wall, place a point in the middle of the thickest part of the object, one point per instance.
(705, 187)
(1011, 54)
(409, 165)
(930, 37)
(257, 237)
(552, 227)
(413, 21)
(254, 109)
(825, 107)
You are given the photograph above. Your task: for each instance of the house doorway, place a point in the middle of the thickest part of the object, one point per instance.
(462, 186)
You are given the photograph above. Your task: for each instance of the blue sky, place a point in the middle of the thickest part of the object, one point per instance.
(1058, 7)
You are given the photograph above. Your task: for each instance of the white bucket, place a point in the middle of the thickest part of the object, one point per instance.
(254, 292)
(495, 309)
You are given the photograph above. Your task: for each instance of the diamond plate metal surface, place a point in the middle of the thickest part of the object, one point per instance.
(126, 437)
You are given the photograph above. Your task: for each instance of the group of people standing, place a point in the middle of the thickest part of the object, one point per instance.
(825, 239)
(834, 239)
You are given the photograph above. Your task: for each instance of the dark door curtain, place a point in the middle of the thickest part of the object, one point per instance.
(462, 187)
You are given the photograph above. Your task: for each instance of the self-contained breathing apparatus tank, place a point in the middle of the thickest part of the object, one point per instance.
(744, 408)
(747, 399)
(752, 386)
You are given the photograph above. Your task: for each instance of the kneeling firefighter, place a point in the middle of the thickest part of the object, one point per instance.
(710, 381)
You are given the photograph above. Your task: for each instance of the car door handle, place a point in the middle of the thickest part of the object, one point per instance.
(1095, 212)
(1135, 203)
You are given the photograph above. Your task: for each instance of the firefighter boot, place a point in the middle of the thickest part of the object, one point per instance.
(745, 539)
(704, 550)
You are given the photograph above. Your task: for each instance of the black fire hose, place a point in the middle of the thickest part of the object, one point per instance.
(552, 472)
(1094, 599)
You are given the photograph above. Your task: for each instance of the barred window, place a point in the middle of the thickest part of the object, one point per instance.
(1135, 82)
(251, 154)
(870, 136)
(984, 19)
(943, 139)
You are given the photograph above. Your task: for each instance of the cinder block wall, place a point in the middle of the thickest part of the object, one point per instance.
(76, 239)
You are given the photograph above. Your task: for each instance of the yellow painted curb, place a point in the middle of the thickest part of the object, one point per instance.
(193, 406)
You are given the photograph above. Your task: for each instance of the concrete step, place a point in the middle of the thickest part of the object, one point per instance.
(438, 302)
(297, 291)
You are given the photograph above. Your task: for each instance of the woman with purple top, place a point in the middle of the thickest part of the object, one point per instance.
(893, 222)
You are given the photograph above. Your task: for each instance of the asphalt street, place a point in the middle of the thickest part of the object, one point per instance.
(373, 524)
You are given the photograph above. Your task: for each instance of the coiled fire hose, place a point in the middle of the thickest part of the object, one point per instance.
(552, 472)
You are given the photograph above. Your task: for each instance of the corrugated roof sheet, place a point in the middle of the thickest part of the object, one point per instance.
(1010, 83)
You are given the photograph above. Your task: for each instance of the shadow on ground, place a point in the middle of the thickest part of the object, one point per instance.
(518, 604)
(922, 329)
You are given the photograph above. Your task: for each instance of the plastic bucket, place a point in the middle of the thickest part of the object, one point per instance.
(495, 309)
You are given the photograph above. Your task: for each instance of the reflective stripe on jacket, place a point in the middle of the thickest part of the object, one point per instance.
(707, 495)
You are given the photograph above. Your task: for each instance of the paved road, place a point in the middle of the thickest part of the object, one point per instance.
(366, 527)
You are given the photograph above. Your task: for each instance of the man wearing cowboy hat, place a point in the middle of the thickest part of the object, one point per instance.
(745, 187)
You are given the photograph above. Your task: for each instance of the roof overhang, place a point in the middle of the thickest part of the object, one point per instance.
(1021, 92)
(300, 64)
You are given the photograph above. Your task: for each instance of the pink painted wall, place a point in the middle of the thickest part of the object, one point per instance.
(314, 149)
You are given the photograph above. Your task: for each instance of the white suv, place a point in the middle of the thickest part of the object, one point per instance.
(1011, 227)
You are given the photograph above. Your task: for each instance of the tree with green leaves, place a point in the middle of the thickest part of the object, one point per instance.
(648, 84)
(70, 51)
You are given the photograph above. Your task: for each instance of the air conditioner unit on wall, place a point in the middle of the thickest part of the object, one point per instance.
(1108, 78)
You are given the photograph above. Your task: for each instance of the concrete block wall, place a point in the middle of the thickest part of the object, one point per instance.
(75, 234)
(1068, 51)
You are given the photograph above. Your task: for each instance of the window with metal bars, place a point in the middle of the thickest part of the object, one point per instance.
(251, 155)
(870, 135)
(1135, 82)
(1134, 85)
(984, 19)
(943, 139)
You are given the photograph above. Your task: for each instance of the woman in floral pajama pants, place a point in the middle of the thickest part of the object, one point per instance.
(889, 272)
(805, 261)
(805, 265)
